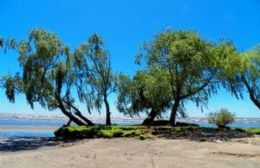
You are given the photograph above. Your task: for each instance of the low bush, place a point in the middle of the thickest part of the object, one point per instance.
(221, 118)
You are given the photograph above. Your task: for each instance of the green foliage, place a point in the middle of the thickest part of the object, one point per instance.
(47, 73)
(191, 132)
(111, 132)
(221, 118)
(144, 92)
(94, 68)
(99, 131)
(190, 66)
(178, 66)
(250, 74)
(12, 86)
(72, 132)
(253, 130)
(43, 68)
(241, 72)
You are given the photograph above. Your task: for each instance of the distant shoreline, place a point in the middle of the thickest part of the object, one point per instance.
(27, 128)
(24, 116)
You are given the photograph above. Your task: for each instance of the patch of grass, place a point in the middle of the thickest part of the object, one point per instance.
(143, 132)
(253, 130)
(72, 132)
(111, 132)
(133, 133)
(121, 131)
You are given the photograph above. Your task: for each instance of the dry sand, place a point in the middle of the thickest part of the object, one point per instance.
(134, 153)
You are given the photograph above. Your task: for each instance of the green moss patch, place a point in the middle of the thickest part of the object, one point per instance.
(143, 132)
(253, 130)
(74, 132)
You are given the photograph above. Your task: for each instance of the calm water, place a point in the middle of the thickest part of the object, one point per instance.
(22, 128)
(15, 128)
(28, 128)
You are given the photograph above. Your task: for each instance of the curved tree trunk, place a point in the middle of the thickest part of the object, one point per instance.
(150, 117)
(174, 112)
(108, 118)
(90, 123)
(78, 113)
(68, 123)
(251, 92)
(72, 117)
(254, 100)
(68, 114)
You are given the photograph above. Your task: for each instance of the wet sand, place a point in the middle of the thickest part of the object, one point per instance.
(134, 153)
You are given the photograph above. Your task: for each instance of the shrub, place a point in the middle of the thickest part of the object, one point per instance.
(221, 118)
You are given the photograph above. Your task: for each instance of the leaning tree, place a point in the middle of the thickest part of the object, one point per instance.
(145, 92)
(94, 67)
(242, 73)
(47, 75)
(191, 63)
(250, 74)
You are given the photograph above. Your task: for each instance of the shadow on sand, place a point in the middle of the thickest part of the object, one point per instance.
(200, 133)
(190, 133)
(19, 144)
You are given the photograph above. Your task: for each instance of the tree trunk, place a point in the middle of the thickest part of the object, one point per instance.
(68, 114)
(90, 123)
(174, 112)
(68, 123)
(251, 92)
(78, 113)
(72, 117)
(150, 117)
(254, 100)
(108, 119)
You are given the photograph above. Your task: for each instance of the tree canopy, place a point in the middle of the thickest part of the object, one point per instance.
(94, 67)
(242, 73)
(176, 67)
(145, 92)
(190, 63)
(46, 75)
(250, 74)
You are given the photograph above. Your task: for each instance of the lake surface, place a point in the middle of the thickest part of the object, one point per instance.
(22, 128)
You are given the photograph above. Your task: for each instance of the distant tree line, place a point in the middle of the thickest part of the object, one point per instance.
(176, 67)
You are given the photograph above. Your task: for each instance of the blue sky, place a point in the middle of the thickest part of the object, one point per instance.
(125, 25)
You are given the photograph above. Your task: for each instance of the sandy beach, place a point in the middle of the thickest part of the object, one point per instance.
(134, 153)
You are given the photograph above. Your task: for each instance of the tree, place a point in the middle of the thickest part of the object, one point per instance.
(250, 74)
(47, 76)
(191, 64)
(95, 60)
(145, 92)
(10, 83)
(221, 118)
(242, 72)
